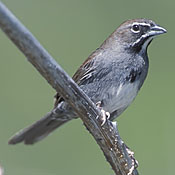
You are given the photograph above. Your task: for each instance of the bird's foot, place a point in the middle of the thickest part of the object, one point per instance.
(104, 115)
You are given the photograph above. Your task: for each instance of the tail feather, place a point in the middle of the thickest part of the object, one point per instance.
(38, 130)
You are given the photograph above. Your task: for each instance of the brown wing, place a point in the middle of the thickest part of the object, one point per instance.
(83, 73)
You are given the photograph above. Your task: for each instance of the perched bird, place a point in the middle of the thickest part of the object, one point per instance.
(112, 75)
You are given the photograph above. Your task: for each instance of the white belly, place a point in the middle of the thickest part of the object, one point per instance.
(122, 97)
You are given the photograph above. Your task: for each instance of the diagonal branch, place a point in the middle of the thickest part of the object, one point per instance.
(117, 154)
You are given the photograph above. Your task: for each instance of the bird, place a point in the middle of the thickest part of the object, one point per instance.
(111, 76)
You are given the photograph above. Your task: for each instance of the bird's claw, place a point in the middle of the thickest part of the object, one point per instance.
(104, 115)
(98, 104)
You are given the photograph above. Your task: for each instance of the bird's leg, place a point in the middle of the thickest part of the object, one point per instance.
(105, 115)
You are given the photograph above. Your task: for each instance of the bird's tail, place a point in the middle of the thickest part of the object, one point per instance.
(39, 129)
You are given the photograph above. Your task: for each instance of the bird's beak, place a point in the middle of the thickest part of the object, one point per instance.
(157, 30)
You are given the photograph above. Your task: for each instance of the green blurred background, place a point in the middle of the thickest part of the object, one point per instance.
(70, 30)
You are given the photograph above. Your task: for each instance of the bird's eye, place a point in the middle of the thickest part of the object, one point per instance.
(135, 28)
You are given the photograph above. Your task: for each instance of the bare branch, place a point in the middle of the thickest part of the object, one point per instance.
(117, 154)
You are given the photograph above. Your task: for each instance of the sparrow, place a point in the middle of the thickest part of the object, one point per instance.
(112, 75)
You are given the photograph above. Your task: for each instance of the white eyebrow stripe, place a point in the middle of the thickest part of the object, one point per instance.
(141, 23)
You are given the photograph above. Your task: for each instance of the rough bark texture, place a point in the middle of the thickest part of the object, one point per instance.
(117, 154)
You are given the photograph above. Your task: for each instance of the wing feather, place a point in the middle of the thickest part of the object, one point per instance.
(84, 73)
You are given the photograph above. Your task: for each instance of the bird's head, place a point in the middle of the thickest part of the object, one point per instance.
(136, 34)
